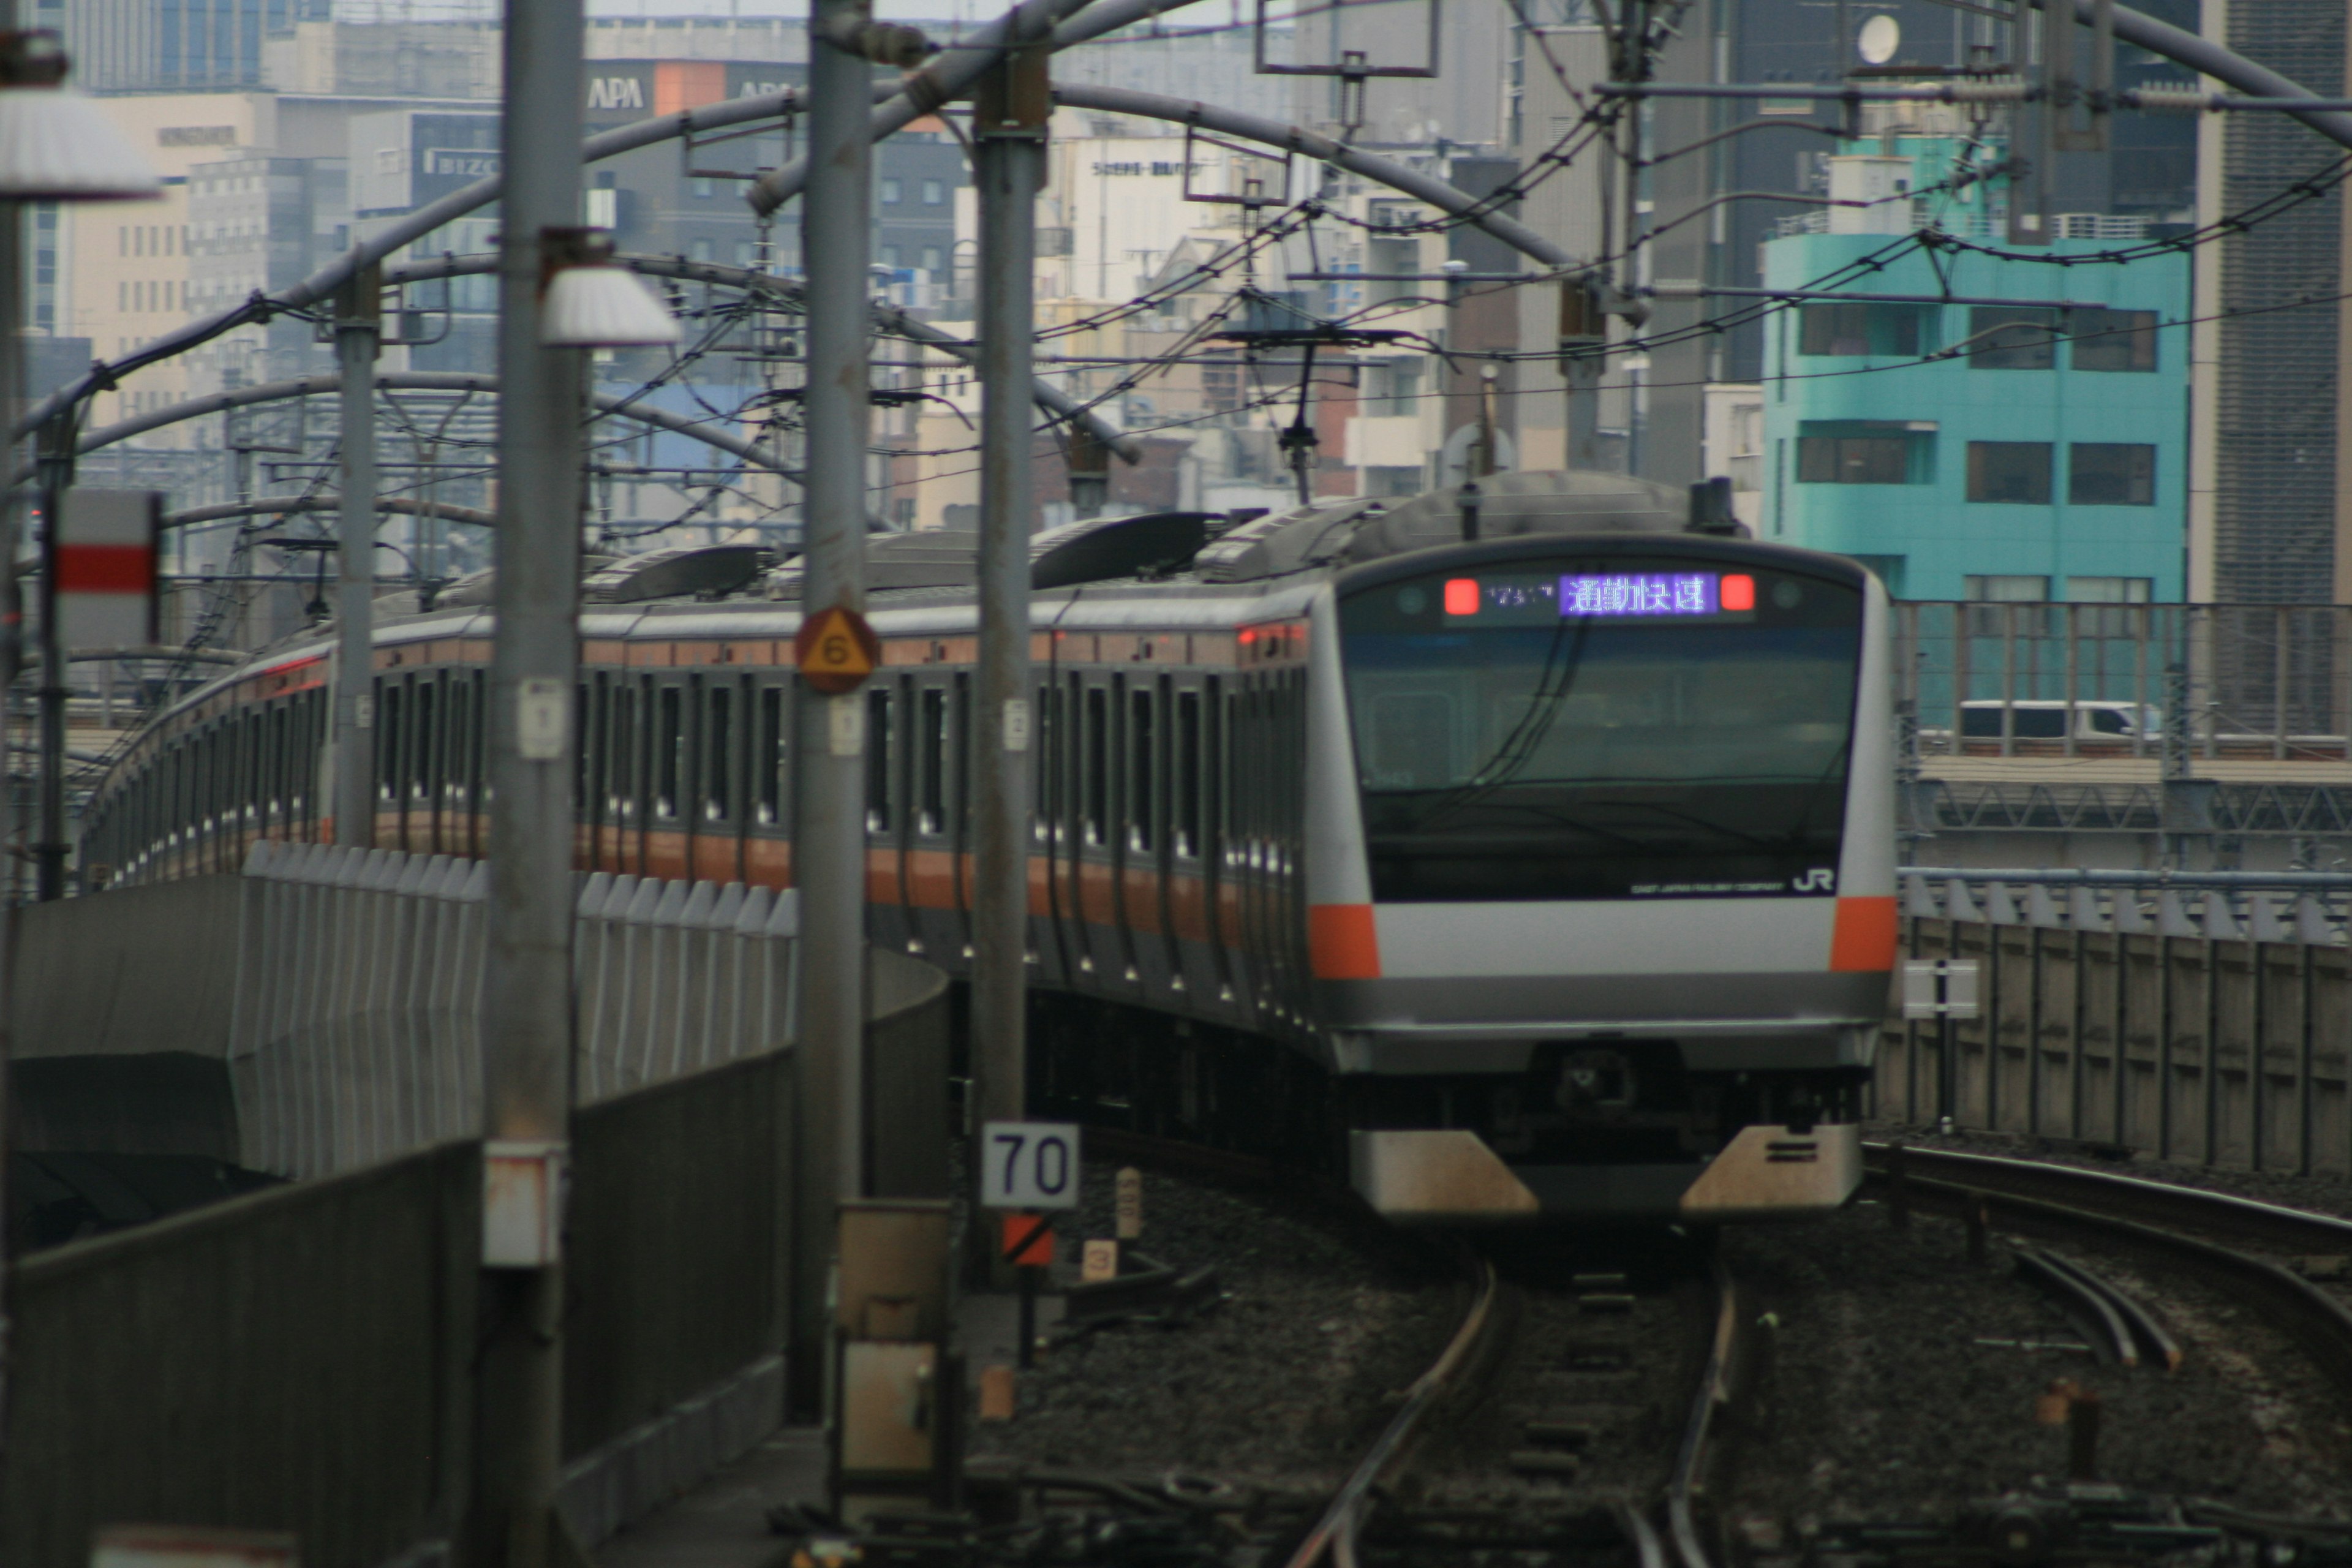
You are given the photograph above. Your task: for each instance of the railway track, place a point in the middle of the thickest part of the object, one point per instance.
(1597, 1469)
(2241, 1246)
(1552, 1427)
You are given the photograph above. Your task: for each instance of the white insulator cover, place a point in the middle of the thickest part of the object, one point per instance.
(602, 307)
(57, 146)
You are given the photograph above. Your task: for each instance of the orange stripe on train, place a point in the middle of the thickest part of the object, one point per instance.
(1863, 936)
(1342, 942)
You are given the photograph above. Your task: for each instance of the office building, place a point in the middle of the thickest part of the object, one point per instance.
(2008, 452)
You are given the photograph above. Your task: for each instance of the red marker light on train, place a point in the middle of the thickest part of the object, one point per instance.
(1738, 592)
(1461, 595)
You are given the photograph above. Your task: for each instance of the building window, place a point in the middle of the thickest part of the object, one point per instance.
(2013, 472)
(1396, 389)
(930, 259)
(2113, 340)
(889, 192)
(703, 187)
(699, 251)
(2011, 337)
(934, 193)
(1891, 330)
(890, 256)
(2005, 590)
(746, 253)
(2111, 473)
(1842, 457)
(2111, 590)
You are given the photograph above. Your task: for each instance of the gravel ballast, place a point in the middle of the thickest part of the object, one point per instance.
(1279, 1383)
(1880, 1404)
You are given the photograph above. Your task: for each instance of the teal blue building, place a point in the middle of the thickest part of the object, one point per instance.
(1983, 451)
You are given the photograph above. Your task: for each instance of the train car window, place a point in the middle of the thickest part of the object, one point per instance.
(256, 763)
(932, 766)
(582, 747)
(1214, 741)
(963, 757)
(621, 745)
(1097, 783)
(669, 742)
(1630, 728)
(770, 754)
(279, 765)
(458, 771)
(1185, 778)
(1045, 776)
(718, 754)
(1141, 765)
(878, 760)
(595, 798)
(387, 740)
(423, 744)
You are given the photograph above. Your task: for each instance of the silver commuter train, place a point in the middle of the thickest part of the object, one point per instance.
(1551, 874)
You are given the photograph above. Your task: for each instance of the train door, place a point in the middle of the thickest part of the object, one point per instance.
(933, 884)
(596, 773)
(390, 729)
(1050, 818)
(1146, 847)
(621, 773)
(961, 757)
(665, 841)
(693, 824)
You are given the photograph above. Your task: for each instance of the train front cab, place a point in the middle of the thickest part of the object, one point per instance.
(1600, 876)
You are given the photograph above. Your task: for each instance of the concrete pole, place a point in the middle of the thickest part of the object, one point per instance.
(829, 830)
(358, 332)
(1011, 109)
(527, 978)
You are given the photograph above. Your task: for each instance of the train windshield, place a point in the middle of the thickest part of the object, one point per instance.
(1605, 731)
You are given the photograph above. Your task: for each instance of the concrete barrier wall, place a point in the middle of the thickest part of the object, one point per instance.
(145, 971)
(294, 1359)
(357, 1027)
(2209, 1048)
(300, 1359)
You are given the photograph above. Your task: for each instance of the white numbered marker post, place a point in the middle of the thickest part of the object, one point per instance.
(1029, 1165)
(1025, 1166)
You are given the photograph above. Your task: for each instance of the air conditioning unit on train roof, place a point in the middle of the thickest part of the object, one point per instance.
(689, 571)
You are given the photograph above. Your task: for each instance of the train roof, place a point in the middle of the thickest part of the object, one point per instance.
(1176, 567)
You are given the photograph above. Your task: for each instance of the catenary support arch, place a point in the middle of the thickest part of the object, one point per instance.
(415, 381)
(924, 91)
(888, 319)
(271, 506)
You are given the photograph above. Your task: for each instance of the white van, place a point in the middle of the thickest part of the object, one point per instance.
(2047, 720)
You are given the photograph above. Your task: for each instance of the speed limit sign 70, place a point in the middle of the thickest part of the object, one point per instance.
(1029, 1165)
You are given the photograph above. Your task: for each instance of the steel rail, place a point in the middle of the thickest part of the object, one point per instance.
(2084, 1299)
(2133, 1197)
(1335, 1531)
(2147, 1335)
(1690, 1475)
(2319, 1324)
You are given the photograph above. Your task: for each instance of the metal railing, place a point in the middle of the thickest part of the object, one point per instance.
(2236, 682)
(2311, 908)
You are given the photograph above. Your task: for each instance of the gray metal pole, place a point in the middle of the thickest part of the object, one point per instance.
(829, 833)
(358, 333)
(526, 978)
(1009, 118)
